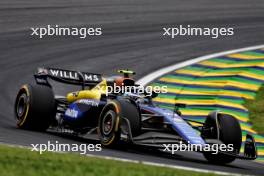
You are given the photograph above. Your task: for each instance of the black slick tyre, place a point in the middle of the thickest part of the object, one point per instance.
(229, 133)
(35, 107)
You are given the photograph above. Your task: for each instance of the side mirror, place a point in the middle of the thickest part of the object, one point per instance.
(180, 105)
(177, 106)
(154, 95)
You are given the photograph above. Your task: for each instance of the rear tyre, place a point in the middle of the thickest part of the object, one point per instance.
(230, 133)
(35, 107)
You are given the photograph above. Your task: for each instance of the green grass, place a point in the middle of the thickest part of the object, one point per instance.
(19, 161)
(256, 111)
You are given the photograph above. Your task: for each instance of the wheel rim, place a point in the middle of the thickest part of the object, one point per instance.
(21, 106)
(108, 122)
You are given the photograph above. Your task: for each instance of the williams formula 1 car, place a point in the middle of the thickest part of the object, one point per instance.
(122, 117)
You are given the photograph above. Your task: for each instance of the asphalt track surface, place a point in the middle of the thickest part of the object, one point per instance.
(132, 38)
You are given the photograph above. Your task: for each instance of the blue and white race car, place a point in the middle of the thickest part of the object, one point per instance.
(124, 117)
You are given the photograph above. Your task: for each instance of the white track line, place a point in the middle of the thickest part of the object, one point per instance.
(167, 166)
(156, 74)
(141, 162)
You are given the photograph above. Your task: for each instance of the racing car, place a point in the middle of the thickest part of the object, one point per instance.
(122, 117)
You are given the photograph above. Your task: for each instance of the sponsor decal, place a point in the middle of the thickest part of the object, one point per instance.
(89, 102)
(73, 75)
(71, 113)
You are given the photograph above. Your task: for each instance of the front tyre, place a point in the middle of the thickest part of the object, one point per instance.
(229, 133)
(35, 107)
(110, 120)
(109, 124)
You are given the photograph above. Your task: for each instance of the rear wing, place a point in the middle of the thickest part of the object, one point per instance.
(67, 77)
